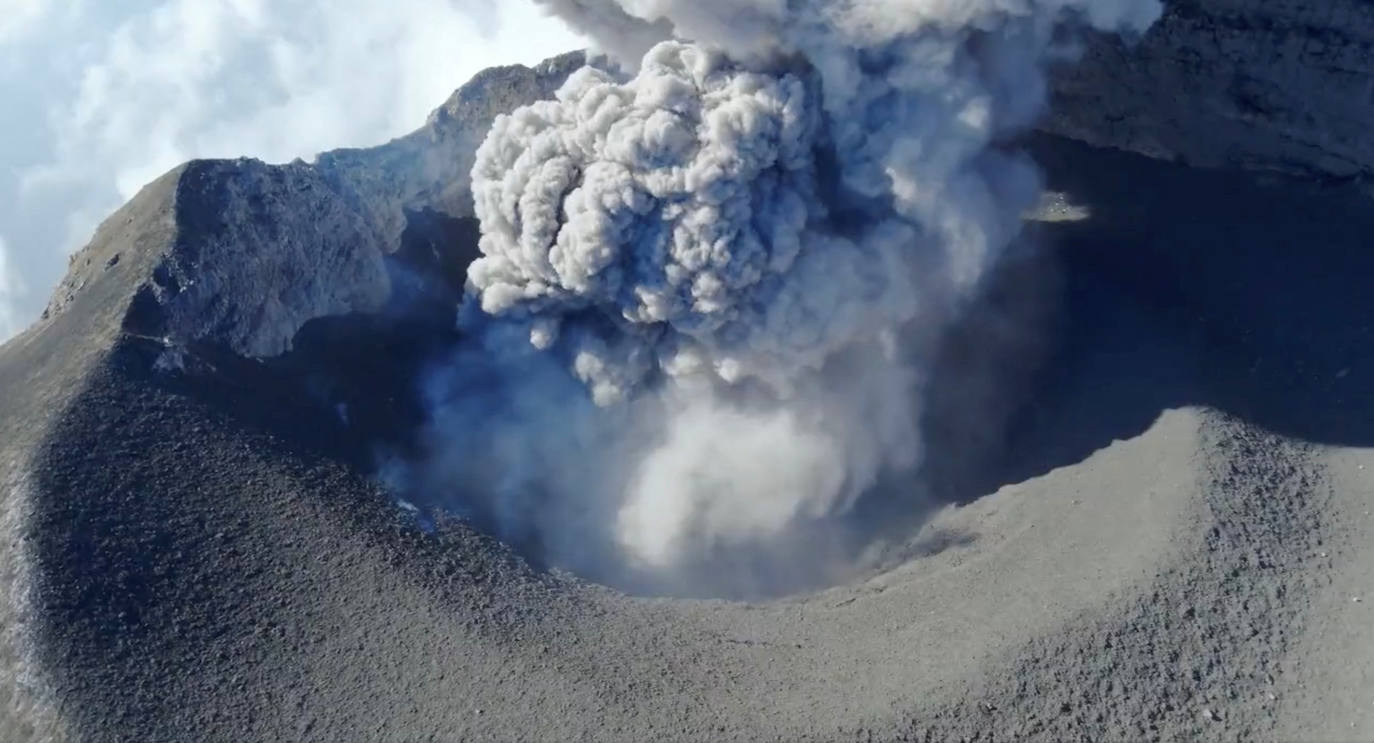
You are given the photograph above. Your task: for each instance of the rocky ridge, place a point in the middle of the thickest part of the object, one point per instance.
(1283, 86)
(254, 251)
(1260, 84)
(189, 556)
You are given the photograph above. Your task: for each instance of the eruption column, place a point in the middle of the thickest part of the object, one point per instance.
(743, 252)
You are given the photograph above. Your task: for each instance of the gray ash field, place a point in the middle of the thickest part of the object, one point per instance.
(1167, 534)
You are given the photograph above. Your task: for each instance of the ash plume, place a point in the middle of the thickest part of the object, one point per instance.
(710, 289)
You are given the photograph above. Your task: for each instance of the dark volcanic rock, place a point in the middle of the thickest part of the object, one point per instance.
(246, 253)
(1269, 84)
(229, 310)
(191, 549)
(258, 250)
(429, 168)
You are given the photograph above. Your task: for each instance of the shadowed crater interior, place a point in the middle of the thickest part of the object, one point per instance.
(1178, 288)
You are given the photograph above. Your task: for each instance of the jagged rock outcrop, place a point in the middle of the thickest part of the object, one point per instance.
(180, 296)
(1266, 84)
(243, 254)
(186, 556)
(195, 556)
(1234, 83)
(429, 168)
(1278, 84)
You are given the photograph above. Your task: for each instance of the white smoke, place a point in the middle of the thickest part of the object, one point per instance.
(745, 252)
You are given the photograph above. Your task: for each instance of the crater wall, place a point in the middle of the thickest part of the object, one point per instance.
(1261, 84)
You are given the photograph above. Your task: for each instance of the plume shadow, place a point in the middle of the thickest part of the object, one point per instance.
(1242, 292)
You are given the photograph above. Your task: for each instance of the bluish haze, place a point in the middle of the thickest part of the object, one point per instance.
(745, 255)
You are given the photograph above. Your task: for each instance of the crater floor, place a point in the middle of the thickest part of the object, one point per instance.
(1173, 543)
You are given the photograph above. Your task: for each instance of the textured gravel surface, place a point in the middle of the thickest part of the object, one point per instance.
(1169, 545)
(1267, 84)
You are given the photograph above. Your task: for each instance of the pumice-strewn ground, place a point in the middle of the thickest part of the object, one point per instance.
(1174, 543)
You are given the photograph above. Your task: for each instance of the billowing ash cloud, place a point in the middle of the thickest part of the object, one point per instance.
(744, 253)
(682, 211)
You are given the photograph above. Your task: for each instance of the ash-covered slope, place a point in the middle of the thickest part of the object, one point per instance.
(114, 449)
(1269, 84)
(255, 251)
(1167, 546)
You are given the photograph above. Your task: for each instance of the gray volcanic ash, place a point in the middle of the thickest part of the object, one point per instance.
(745, 255)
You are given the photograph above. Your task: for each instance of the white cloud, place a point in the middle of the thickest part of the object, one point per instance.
(109, 98)
(10, 289)
(16, 16)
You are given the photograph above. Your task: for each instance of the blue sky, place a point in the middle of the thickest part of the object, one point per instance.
(101, 96)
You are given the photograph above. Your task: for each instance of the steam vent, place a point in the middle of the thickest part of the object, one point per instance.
(850, 371)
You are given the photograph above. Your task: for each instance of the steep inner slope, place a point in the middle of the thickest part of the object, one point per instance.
(1261, 84)
(214, 567)
(1167, 535)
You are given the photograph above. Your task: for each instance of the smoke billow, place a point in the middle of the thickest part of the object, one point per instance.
(709, 292)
